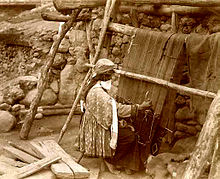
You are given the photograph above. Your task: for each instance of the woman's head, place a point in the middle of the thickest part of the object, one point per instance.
(104, 68)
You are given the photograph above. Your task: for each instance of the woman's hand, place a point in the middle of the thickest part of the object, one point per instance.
(145, 105)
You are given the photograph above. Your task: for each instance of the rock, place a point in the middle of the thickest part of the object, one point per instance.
(71, 60)
(126, 39)
(165, 27)
(64, 46)
(16, 107)
(36, 54)
(77, 38)
(201, 30)
(116, 51)
(5, 107)
(176, 169)
(117, 40)
(48, 98)
(187, 29)
(12, 93)
(55, 86)
(125, 19)
(192, 123)
(59, 61)
(180, 135)
(38, 116)
(9, 100)
(156, 164)
(103, 53)
(185, 145)
(184, 114)
(68, 85)
(187, 21)
(1, 98)
(186, 128)
(29, 97)
(7, 121)
(28, 83)
(16, 93)
(81, 60)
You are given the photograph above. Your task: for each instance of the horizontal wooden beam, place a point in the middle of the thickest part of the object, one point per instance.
(19, 2)
(165, 11)
(125, 29)
(77, 4)
(165, 83)
(195, 3)
(162, 82)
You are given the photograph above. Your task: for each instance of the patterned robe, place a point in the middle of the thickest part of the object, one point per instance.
(94, 135)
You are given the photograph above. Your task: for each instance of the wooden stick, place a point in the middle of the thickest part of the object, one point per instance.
(167, 84)
(165, 11)
(163, 83)
(23, 156)
(75, 4)
(174, 22)
(215, 165)
(204, 148)
(44, 78)
(100, 43)
(88, 35)
(24, 149)
(37, 166)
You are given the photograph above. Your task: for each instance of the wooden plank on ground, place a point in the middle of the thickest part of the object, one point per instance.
(25, 148)
(61, 170)
(52, 146)
(40, 148)
(20, 155)
(7, 168)
(11, 161)
(37, 166)
(79, 171)
(31, 168)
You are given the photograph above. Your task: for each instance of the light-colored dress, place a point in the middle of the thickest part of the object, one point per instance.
(94, 134)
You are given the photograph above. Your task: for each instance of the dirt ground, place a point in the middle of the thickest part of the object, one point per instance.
(49, 128)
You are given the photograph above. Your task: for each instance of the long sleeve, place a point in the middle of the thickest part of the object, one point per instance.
(124, 110)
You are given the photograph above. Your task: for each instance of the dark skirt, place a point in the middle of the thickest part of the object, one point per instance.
(127, 153)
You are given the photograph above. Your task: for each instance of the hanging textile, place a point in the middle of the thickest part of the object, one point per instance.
(203, 53)
(153, 54)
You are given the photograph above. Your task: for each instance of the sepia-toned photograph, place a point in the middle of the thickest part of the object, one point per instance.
(110, 89)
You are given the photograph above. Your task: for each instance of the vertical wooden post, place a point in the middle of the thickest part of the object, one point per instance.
(203, 151)
(174, 22)
(89, 40)
(215, 165)
(44, 78)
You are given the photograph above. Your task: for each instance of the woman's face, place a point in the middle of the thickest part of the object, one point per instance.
(108, 75)
(106, 84)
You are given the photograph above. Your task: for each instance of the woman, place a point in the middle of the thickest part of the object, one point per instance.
(101, 134)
